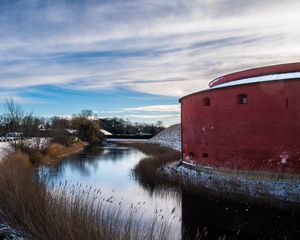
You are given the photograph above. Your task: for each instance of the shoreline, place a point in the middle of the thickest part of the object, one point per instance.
(269, 192)
(55, 153)
(51, 154)
(273, 193)
(34, 209)
(248, 174)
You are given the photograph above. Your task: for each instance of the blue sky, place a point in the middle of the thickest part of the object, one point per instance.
(134, 59)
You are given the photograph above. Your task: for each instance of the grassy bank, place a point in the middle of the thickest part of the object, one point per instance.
(157, 156)
(41, 212)
(148, 171)
(56, 152)
(52, 154)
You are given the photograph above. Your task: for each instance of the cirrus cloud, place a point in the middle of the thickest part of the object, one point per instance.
(165, 48)
(156, 108)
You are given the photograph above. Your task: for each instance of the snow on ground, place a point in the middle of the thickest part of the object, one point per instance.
(8, 233)
(39, 143)
(113, 140)
(288, 191)
(4, 148)
(170, 137)
(31, 142)
(258, 188)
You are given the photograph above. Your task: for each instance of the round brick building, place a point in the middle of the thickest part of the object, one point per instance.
(248, 120)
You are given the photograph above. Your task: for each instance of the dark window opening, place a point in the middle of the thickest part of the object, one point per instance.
(242, 99)
(206, 101)
(204, 155)
(286, 103)
(191, 155)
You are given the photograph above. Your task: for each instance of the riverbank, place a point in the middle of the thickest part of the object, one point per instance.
(157, 156)
(42, 151)
(54, 153)
(30, 157)
(161, 166)
(38, 210)
(50, 153)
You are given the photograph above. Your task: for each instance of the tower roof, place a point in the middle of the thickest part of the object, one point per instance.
(261, 74)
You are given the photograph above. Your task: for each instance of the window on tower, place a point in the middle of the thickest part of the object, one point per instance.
(206, 101)
(242, 99)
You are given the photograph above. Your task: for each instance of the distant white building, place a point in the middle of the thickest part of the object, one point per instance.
(106, 133)
(71, 131)
(13, 134)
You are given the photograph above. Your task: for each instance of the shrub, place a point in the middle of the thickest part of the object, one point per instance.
(63, 138)
(157, 157)
(87, 129)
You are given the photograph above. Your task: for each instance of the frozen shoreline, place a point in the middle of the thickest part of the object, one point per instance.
(287, 191)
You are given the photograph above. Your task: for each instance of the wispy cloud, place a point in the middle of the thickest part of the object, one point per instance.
(167, 119)
(156, 108)
(169, 48)
(5, 95)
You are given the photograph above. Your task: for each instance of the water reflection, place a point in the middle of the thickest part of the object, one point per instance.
(236, 221)
(109, 169)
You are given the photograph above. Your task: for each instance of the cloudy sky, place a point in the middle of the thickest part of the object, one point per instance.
(134, 59)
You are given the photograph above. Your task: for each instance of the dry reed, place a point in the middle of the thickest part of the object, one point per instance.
(149, 173)
(157, 156)
(39, 211)
(51, 154)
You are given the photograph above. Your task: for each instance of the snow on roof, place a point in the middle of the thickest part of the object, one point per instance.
(72, 131)
(257, 72)
(265, 78)
(106, 133)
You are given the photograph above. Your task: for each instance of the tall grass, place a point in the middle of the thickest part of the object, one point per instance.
(45, 212)
(157, 156)
(150, 174)
(50, 154)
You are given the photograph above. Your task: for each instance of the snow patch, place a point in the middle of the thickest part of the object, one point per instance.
(170, 137)
(287, 191)
(4, 148)
(8, 233)
(264, 78)
(37, 143)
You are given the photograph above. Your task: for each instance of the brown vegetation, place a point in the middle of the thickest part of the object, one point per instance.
(88, 129)
(148, 171)
(41, 212)
(56, 150)
(157, 157)
(51, 154)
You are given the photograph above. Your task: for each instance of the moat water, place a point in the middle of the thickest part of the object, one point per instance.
(110, 169)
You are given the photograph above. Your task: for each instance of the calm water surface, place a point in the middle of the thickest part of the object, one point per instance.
(109, 169)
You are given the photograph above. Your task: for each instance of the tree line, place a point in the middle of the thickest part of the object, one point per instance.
(87, 125)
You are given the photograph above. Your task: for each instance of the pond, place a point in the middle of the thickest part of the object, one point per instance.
(109, 168)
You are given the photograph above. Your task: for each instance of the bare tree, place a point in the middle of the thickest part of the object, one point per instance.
(13, 115)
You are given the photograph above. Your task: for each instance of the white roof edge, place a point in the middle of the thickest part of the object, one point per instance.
(264, 78)
(106, 133)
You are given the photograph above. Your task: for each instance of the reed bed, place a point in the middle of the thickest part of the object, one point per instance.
(157, 156)
(149, 172)
(40, 211)
(50, 154)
